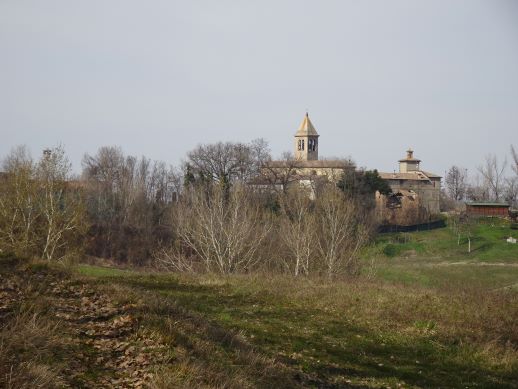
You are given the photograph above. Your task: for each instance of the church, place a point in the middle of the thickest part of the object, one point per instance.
(415, 192)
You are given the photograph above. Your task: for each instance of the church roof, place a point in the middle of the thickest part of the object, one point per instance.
(330, 164)
(414, 176)
(306, 127)
(431, 175)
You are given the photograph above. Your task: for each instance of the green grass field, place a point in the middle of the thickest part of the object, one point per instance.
(439, 259)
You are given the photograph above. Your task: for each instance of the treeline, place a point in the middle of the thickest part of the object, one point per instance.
(494, 180)
(205, 216)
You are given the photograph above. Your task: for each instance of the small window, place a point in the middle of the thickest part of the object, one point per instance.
(312, 144)
(299, 145)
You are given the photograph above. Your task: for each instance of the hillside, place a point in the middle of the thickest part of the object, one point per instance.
(430, 316)
(427, 314)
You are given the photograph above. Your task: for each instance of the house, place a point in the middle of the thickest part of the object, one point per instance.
(425, 185)
(486, 208)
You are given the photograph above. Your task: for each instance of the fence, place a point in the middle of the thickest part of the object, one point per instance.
(416, 227)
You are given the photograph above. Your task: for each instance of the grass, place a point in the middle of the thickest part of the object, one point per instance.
(30, 343)
(432, 315)
(346, 333)
(439, 259)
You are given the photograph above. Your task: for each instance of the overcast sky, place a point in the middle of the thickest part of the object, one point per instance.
(159, 77)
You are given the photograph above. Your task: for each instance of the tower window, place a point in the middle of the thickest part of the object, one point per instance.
(302, 144)
(312, 144)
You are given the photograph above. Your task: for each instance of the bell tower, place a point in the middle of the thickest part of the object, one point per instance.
(409, 164)
(306, 141)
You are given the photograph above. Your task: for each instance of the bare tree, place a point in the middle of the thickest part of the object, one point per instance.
(224, 231)
(18, 203)
(456, 183)
(128, 197)
(466, 226)
(493, 173)
(514, 155)
(512, 182)
(41, 213)
(61, 205)
(344, 228)
(511, 190)
(478, 189)
(227, 162)
(298, 231)
(279, 174)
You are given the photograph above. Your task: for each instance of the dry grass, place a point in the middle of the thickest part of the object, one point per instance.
(229, 331)
(204, 354)
(27, 344)
(460, 314)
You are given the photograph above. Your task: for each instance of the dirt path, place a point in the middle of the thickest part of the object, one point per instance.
(114, 352)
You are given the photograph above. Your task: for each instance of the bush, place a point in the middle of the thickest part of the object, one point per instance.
(391, 250)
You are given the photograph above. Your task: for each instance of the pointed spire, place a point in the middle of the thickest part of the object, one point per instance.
(306, 127)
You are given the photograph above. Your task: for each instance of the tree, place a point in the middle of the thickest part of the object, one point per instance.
(224, 231)
(511, 190)
(466, 226)
(128, 202)
(512, 182)
(478, 189)
(18, 203)
(362, 184)
(493, 173)
(41, 212)
(514, 155)
(298, 231)
(226, 163)
(279, 174)
(343, 227)
(60, 205)
(456, 183)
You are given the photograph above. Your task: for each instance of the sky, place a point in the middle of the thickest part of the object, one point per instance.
(157, 78)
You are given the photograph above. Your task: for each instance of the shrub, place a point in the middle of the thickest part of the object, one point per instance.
(391, 250)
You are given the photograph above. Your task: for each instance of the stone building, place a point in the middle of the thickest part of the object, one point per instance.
(306, 162)
(305, 170)
(415, 194)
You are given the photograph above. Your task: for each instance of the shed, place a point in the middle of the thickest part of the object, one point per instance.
(487, 209)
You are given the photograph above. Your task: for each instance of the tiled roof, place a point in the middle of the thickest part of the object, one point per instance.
(431, 175)
(415, 176)
(273, 180)
(336, 164)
